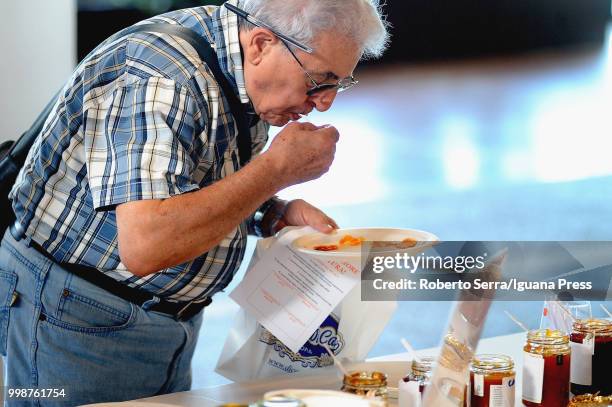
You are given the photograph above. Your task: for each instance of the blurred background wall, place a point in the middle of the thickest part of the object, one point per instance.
(38, 52)
(42, 39)
(442, 29)
(422, 29)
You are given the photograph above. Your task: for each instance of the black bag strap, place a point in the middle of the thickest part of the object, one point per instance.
(20, 148)
(208, 55)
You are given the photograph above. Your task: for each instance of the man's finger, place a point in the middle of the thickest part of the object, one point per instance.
(331, 130)
(307, 126)
(332, 223)
(323, 226)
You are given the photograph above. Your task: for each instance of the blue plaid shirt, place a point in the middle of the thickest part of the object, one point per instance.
(140, 119)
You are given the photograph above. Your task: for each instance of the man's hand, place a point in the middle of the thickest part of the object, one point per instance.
(303, 152)
(301, 213)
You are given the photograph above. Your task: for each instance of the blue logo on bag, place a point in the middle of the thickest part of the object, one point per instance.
(312, 354)
(326, 334)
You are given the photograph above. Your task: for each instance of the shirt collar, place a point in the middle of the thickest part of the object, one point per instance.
(229, 52)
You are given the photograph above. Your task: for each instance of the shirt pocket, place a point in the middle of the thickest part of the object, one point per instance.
(8, 282)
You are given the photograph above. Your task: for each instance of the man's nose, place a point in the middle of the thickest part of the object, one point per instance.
(324, 100)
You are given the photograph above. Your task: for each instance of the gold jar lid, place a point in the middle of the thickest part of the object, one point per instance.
(491, 363)
(590, 400)
(363, 379)
(423, 366)
(547, 337)
(598, 327)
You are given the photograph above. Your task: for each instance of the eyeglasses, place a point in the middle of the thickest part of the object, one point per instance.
(341, 85)
(317, 88)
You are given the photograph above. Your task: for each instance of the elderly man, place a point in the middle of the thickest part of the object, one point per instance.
(134, 205)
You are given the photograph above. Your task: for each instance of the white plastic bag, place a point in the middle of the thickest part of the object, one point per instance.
(251, 352)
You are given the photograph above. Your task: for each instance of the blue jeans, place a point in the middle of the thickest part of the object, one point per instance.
(65, 333)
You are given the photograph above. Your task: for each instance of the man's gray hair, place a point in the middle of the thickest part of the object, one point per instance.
(360, 21)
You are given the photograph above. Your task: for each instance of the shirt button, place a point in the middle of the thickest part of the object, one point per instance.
(65, 293)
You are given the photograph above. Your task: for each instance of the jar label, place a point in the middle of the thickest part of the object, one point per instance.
(533, 377)
(478, 385)
(408, 394)
(502, 395)
(590, 342)
(581, 363)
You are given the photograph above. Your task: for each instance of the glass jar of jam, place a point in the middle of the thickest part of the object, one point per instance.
(546, 368)
(590, 400)
(368, 384)
(421, 372)
(591, 343)
(492, 379)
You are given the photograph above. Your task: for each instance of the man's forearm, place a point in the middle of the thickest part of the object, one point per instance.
(157, 234)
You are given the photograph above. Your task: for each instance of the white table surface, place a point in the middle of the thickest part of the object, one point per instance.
(395, 366)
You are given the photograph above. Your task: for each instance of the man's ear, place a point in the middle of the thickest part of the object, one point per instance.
(257, 43)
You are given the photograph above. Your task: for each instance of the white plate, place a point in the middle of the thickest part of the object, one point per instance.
(325, 398)
(307, 243)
